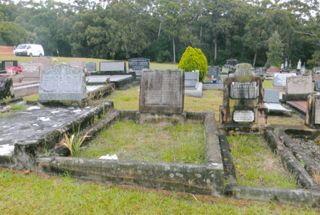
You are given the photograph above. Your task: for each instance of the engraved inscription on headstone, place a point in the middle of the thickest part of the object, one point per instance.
(243, 116)
(246, 90)
(162, 92)
(299, 85)
(137, 65)
(62, 83)
(113, 67)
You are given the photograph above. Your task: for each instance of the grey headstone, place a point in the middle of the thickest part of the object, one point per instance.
(162, 92)
(299, 85)
(62, 83)
(5, 88)
(317, 110)
(317, 86)
(213, 71)
(97, 79)
(244, 90)
(271, 96)
(191, 79)
(31, 71)
(280, 79)
(113, 67)
(91, 67)
(45, 62)
(138, 65)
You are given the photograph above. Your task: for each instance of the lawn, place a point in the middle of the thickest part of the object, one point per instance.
(161, 142)
(256, 165)
(25, 193)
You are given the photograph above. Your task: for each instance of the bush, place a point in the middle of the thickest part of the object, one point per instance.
(194, 59)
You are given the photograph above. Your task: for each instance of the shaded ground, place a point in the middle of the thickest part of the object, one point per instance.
(256, 165)
(181, 143)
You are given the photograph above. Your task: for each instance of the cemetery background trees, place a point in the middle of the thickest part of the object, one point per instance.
(162, 29)
(275, 50)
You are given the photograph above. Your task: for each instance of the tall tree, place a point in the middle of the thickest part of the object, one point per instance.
(275, 50)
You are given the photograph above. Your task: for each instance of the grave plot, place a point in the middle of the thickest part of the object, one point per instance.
(159, 146)
(181, 143)
(255, 163)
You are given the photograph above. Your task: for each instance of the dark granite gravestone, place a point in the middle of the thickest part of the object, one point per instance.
(317, 86)
(5, 88)
(91, 67)
(244, 90)
(162, 92)
(113, 67)
(214, 71)
(62, 83)
(137, 65)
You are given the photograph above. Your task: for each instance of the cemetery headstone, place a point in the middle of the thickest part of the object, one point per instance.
(31, 71)
(213, 72)
(138, 65)
(91, 67)
(317, 86)
(113, 67)
(299, 85)
(62, 83)
(5, 88)
(280, 79)
(162, 92)
(317, 110)
(191, 79)
(244, 90)
(271, 96)
(97, 79)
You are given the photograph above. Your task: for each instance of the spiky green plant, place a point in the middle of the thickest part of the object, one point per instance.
(74, 142)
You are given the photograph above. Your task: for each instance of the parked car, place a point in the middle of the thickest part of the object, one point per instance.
(29, 50)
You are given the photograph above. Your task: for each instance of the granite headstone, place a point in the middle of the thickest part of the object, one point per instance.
(91, 67)
(113, 67)
(162, 92)
(138, 65)
(62, 83)
(299, 85)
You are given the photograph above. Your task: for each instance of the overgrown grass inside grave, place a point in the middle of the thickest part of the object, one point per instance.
(256, 165)
(181, 143)
(13, 109)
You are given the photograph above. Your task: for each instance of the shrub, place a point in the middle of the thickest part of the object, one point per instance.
(194, 59)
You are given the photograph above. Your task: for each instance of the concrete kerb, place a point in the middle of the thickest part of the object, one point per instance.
(200, 179)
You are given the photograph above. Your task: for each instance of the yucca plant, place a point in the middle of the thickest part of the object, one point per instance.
(74, 142)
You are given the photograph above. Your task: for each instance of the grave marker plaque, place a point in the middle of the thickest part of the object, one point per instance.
(113, 67)
(137, 65)
(91, 67)
(62, 83)
(243, 116)
(244, 90)
(162, 92)
(299, 85)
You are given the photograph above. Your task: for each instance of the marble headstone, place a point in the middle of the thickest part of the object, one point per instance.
(299, 85)
(162, 92)
(191, 79)
(113, 67)
(271, 96)
(62, 83)
(280, 79)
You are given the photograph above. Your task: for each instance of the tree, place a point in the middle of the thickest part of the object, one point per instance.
(12, 34)
(194, 59)
(275, 50)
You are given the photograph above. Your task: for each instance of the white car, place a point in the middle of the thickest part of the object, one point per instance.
(29, 50)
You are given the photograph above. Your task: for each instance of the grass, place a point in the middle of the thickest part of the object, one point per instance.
(14, 108)
(34, 194)
(256, 165)
(31, 98)
(129, 100)
(153, 65)
(267, 84)
(182, 143)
